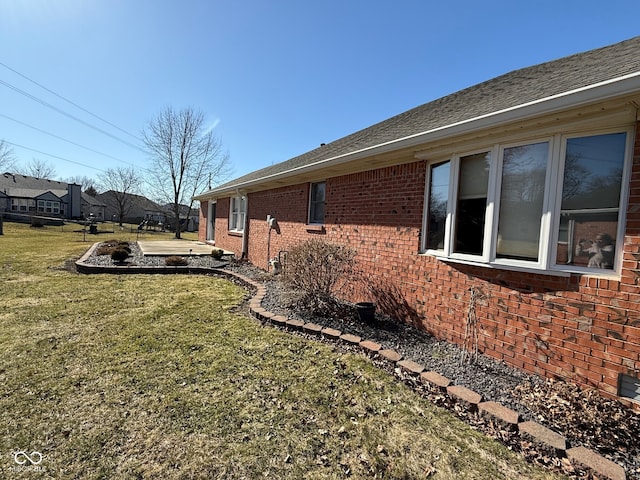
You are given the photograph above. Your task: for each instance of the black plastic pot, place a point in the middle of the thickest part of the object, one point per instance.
(366, 311)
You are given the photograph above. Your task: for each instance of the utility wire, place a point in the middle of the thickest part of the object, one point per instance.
(53, 156)
(69, 101)
(63, 139)
(66, 114)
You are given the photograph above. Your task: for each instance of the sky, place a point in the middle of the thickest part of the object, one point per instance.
(80, 80)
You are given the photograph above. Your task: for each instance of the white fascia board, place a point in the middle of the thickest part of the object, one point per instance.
(616, 87)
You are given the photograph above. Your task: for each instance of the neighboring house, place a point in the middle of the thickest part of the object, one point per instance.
(519, 197)
(24, 196)
(138, 208)
(91, 206)
(192, 214)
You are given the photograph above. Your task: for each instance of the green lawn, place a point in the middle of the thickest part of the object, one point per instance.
(160, 377)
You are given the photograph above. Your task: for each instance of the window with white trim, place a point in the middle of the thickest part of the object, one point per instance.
(46, 206)
(550, 204)
(237, 211)
(23, 205)
(316, 203)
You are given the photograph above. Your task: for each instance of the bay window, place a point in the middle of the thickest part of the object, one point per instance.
(550, 204)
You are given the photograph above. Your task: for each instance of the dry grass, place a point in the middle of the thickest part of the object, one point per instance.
(158, 377)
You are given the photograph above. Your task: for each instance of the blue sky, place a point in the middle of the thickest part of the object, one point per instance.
(275, 78)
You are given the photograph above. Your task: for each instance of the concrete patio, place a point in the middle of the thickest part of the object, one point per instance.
(176, 247)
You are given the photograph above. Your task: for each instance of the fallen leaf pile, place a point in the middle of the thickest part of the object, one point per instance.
(584, 417)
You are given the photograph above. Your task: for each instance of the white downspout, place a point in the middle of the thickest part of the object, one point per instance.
(245, 228)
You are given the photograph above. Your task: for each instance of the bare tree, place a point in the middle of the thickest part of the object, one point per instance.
(85, 182)
(120, 183)
(38, 168)
(185, 157)
(7, 158)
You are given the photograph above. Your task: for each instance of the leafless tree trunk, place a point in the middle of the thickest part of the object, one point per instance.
(185, 156)
(7, 159)
(122, 182)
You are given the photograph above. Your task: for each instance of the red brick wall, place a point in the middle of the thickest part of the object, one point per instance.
(202, 225)
(578, 328)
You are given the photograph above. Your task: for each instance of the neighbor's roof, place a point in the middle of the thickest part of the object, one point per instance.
(24, 186)
(520, 88)
(93, 201)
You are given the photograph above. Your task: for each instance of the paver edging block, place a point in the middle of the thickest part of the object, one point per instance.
(268, 316)
(349, 338)
(331, 333)
(279, 320)
(370, 346)
(435, 379)
(390, 355)
(542, 435)
(597, 463)
(295, 324)
(410, 366)
(505, 416)
(465, 396)
(313, 328)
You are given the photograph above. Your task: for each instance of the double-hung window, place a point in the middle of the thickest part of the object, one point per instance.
(550, 204)
(316, 203)
(237, 211)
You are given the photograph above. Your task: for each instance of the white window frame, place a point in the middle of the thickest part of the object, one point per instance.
(237, 212)
(550, 218)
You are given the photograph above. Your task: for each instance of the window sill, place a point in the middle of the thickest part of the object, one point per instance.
(496, 266)
(316, 229)
(606, 274)
(235, 233)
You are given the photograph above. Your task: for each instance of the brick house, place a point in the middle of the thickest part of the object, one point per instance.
(523, 190)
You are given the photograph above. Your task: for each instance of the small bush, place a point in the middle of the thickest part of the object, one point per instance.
(175, 261)
(104, 250)
(217, 253)
(319, 269)
(107, 248)
(119, 255)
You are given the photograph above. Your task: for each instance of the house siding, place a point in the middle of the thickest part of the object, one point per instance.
(580, 328)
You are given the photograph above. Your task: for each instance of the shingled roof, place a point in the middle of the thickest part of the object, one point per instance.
(515, 89)
(16, 185)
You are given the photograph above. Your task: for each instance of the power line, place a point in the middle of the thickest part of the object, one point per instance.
(69, 101)
(66, 114)
(53, 156)
(63, 139)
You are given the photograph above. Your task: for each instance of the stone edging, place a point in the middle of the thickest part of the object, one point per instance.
(471, 401)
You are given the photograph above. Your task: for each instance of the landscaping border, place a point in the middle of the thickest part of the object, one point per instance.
(466, 399)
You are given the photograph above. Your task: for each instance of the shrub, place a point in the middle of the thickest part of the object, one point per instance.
(119, 255)
(217, 253)
(175, 261)
(104, 250)
(319, 269)
(107, 248)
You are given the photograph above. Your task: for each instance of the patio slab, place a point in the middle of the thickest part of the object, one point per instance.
(176, 247)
